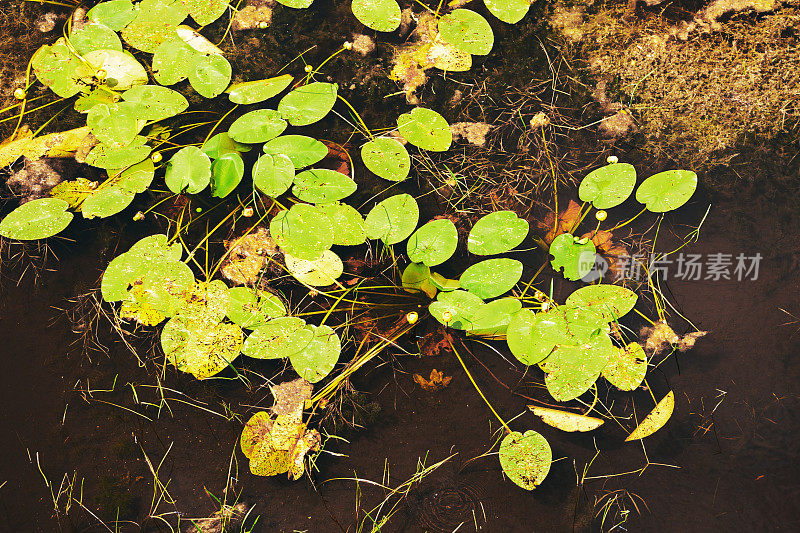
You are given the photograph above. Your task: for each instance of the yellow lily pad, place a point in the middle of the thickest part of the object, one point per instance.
(657, 418)
(566, 421)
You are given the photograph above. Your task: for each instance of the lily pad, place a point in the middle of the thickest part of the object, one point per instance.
(627, 367)
(456, 309)
(493, 318)
(95, 36)
(321, 272)
(116, 14)
(611, 301)
(200, 347)
(577, 259)
(417, 278)
(207, 301)
(221, 144)
(154, 102)
(468, 31)
(491, 278)
(199, 43)
(122, 69)
(37, 219)
(172, 61)
(393, 219)
(608, 186)
(425, 129)
(226, 174)
(124, 270)
(386, 158)
(511, 11)
(302, 150)
(532, 337)
(188, 171)
(115, 125)
(280, 337)
(308, 103)
(273, 174)
(303, 231)
(378, 15)
(348, 224)
(118, 192)
(253, 92)
(112, 157)
(257, 126)
(433, 243)
(250, 308)
(155, 23)
(209, 74)
(525, 458)
(297, 4)
(656, 419)
(566, 420)
(668, 190)
(316, 360)
(572, 370)
(497, 233)
(205, 12)
(157, 292)
(322, 186)
(55, 66)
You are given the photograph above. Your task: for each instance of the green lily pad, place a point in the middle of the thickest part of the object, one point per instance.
(280, 337)
(316, 360)
(257, 126)
(378, 15)
(226, 174)
(525, 458)
(205, 12)
(116, 14)
(87, 101)
(154, 102)
(348, 224)
(113, 157)
(491, 278)
(668, 190)
(55, 66)
(493, 318)
(608, 186)
(199, 43)
(321, 272)
(302, 150)
(273, 174)
(73, 192)
(308, 103)
(188, 171)
(611, 301)
(250, 308)
(468, 31)
(456, 309)
(115, 125)
(322, 186)
(221, 144)
(511, 11)
(297, 4)
(253, 92)
(393, 219)
(37, 219)
(124, 270)
(532, 337)
(172, 61)
(497, 233)
(157, 292)
(209, 74)
(575, 258)
(444, 284)
(303, 231)
(417, 278)
(626, 367)
(386, 158)
(572, 370)
(433, 243)
(118, 192)
(200, 347)
(425, 129)
(154, 24)
(122, 69)
(95, 36)
(206, 301)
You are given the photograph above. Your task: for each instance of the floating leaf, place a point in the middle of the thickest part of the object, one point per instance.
(322, 186)
(318, 273)
(196, 41)
(55, 66)
(154, 102)
(37, 219)
(491, 278)
(611, 301)
(468, 31)
(112, 157)
(302, 150)
(608, 186)
(188, 171)
(437, 381)
(308, 103)
(444, 284)
(273, 174)
(378, 15)
(257, 126)
(656, 419)
(386, 158)
(303, 231)
(122, 70)
(207, 301)
(226, 174)
(456, 309)
(251, 308)
(565, 420)
(576, 258)
(532, 337)
(511, 11)
(417, 278)
(205, 12)
(209, 74)
(86, 101)
(155, 23)
(525, 458)
(221, 144)
(433, 243)
(425, 129)
(316, 360)
(253, 92)
(393, 219)
(118, 192)
(115, 125)
(172, 61)
(158, 291)
(626, 367)
(493, 318)
(116, 14)
(94, 36)
(202, 348)
(668, 190)
(348, 224)
(497, 233)
(280, 337)
(572, 370)
(297, 4)
(124, 270)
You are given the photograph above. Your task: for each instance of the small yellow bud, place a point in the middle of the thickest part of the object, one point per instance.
(612, 159)
(247, 212)
(19, 94)
(156, 157)
(263, 25)
(138, 216)
(447, 316)
(100, 74)
(412, 317)
(600, 215)
(309, 68)
(347, 45)
(199, 209)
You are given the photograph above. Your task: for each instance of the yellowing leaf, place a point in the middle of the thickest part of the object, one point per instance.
(566, 421)
(656, 419)
(60, 144)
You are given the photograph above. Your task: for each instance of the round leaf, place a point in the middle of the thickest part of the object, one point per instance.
(417, 278)
(457, 309)
(253, 92)
(668, 190)
(425, 129)
(386, 158)
(55, 66)
(200, 347)
(322, 186)
(532, 337)
(273, 174)
(302, 150)
(572, 370)
(205, 12)
(511, 11)
(110, 157)
(226, 173)
(468, 31)
(94, 36)
(378, 15)
(348, 224)
(309, 103)
(257, 126)
(155, 23)
(497, 233)
(172, 61)
(494, 317)
(491, 278)
(116, 14)
(122, 70)
(250, 308)
(117, 193)
(280, 337)
(303, 231)
(209, 74)
(434, 243)
(393, 219)
(525, 458)
(37, 219)
(316, 360)
(318, 273)
(221, 144)
(114, 125)
(611, 301)
(608, 186)
(626, 367)
(154, 102)
(576, 259)
(189, 171)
